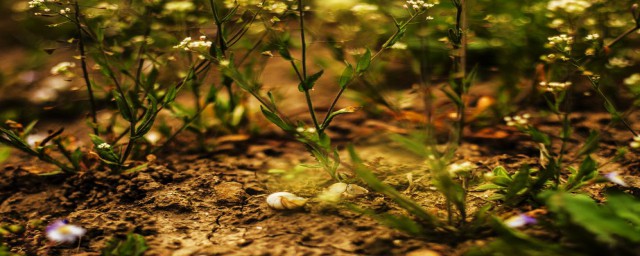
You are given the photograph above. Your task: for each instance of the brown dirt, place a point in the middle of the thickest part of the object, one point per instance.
(214, 204)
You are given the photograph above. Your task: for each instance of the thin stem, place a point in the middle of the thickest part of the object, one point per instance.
(333, 105)
(303, 75)
(220, 33)
(85, 70)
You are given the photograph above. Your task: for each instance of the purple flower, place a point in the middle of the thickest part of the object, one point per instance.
(615, 178)
(61, 231)
(520, 220)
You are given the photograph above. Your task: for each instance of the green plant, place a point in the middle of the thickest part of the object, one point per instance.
(587, 227)
(133, 245)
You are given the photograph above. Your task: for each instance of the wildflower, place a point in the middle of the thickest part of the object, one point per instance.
(418, 5)
(592, 37)
(461, 167)
(555, 86)
(636, 142)
(518, 120)
(63, 68)
(35, 3)
(35, 139)
(104, 146)
(61, 231)
(615, 178)
(520, 220)
(188, 44)
(560, 39)
(153, 137)
(616, 62)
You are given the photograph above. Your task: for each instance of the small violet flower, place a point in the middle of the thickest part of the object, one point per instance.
(61, 231)
(615, 178)
(520, 220)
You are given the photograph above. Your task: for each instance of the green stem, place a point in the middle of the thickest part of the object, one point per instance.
(85, 70)
(303, 75)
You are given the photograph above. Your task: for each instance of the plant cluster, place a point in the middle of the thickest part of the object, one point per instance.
(152, 70)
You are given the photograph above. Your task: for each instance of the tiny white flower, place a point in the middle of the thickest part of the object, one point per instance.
(61, 231)
(520, 220)
(615, 178)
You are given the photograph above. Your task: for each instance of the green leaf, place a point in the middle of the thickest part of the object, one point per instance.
(27, 129)
(5, 153)
(347, 76)
(601, 221)
(105, 151)
(343, 111)
(170, 96)
(520, 182)
(124, 108)
(151, 79)
(310, 81)
(148, 119)
(134, 245)
(453, 97)
(275, 119)
(401, 32)
(284, 53)
(364, 62)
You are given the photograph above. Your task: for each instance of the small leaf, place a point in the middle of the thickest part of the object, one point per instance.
(284, 53)
(148, 119)
(125, 111)
(310, 81)
(364, 62)
(275, 119)
(343, 111)
(347, 76)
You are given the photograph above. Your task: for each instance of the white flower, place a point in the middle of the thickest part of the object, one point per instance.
(520, 220)
(518, 120)
(636, 142)
(189, 44)
(35, 139)
(153, 137)
(35, 3)
(616, 62)
(592, 37)
(104, 146)
(615, 178)
(61, 231)
(461, 167)
(555, 86)
(418, 5)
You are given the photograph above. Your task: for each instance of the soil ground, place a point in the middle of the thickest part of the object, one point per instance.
(214, 204)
